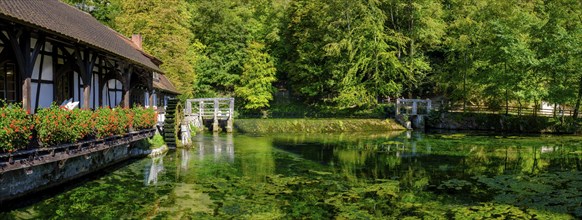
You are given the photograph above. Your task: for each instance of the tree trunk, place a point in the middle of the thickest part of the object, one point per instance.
(465, 84)
(536, 107)
(519, 110)
(575, 115)
(506, 102)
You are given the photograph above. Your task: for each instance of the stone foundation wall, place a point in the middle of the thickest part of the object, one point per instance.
(30, 171)
(498, 123)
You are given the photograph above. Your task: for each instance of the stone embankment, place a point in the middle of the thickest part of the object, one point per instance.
(26, 172)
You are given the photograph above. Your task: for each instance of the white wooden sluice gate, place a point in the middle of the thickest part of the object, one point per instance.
(414, 109)
(412, 106)
(215, 110)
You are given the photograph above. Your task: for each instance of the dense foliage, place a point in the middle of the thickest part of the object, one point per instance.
(15, 127)
(111, 122)
(349, 54)
(143, 118)
(58, 125)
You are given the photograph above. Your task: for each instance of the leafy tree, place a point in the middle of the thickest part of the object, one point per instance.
(226, 35)
(420, 27)
(342, 53)
(165, 28)
(347, 55)
(455, 78)
(103, 10)
(258, 74)
(560, 54)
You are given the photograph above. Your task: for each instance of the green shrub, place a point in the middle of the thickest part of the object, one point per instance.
(110, 122)
(15, 127)
(156, 141)
(53, 126)
(58, 125)
(144, 118)
(83, 123)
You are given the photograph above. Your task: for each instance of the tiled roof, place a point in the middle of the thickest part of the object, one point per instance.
(165, 85)
(61, 19)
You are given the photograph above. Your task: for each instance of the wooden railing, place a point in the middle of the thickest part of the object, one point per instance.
(210, 108)
(413, 106)
(511, 110)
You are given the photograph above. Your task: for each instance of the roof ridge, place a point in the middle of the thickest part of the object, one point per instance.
(63, 20)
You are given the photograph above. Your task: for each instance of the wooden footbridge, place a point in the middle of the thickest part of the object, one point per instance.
(214, 113)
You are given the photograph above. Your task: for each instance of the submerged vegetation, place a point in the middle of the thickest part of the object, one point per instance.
(409, 176)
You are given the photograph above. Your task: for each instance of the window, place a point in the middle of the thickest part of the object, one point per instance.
(8, 82)
(114, 93)
(63, 85)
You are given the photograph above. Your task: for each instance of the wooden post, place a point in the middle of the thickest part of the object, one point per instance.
(151, 98)
(86, 96)
(86, 59)
(26, 99)
(397, 107)
(230, 120)
(200, 113)
(24, 57)
(414, 105)
(215, 125)
(428, 105)
(126, 81)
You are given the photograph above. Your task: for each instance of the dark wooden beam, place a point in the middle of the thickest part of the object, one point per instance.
(126, 76)
(19, 39)
(86, 59)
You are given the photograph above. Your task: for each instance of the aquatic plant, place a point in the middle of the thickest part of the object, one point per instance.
(464, 177)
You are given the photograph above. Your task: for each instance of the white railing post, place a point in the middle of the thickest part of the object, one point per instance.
(414, 105)
(428, 105)
(397, 107)
(215, 125)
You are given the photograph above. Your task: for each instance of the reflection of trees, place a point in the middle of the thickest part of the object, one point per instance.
(256, 157)
(415, 158)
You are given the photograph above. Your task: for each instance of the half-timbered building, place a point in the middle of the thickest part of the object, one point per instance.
(53, 52)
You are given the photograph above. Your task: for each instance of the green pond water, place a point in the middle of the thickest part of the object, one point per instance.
(342, 176)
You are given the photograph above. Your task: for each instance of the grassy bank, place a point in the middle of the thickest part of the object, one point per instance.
(314, 125)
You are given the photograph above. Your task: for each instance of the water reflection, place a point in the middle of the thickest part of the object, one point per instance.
(326, 176)
(153, 169)
(220, 147)
(395, 157)
(184, 159)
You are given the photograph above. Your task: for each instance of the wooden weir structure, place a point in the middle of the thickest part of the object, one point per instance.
(411, 112)
(218, 111)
